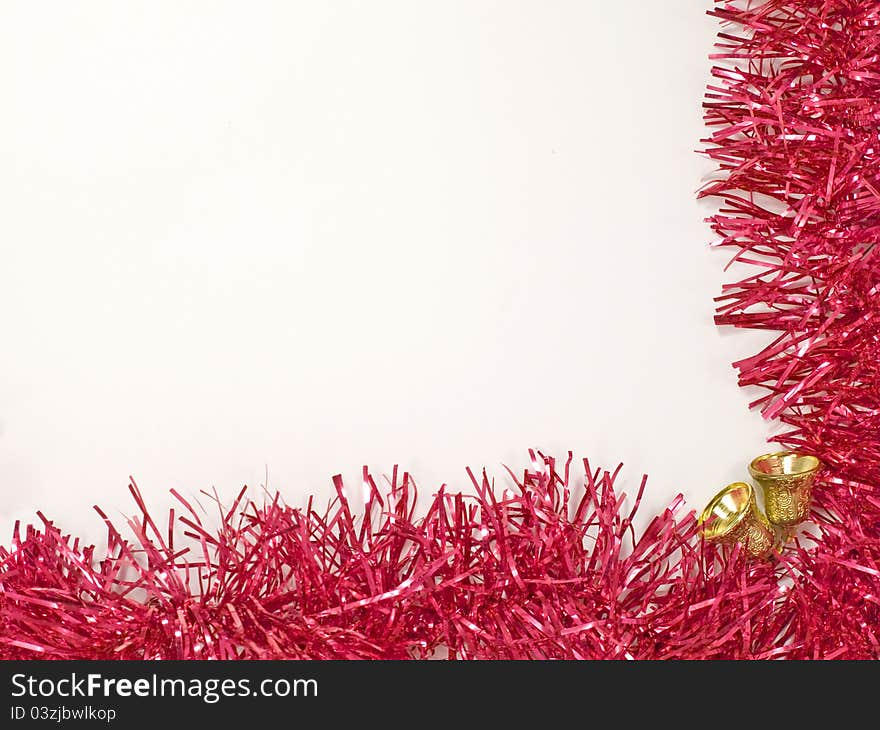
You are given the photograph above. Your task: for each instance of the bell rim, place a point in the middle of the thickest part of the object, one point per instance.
(812, 465)
(725, 526)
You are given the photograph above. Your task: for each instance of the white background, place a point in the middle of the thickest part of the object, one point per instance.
(299, 237)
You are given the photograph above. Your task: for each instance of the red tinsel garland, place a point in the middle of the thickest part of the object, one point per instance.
(553, 569)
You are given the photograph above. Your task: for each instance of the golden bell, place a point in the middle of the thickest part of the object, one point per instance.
(733, 516)
(787, 480)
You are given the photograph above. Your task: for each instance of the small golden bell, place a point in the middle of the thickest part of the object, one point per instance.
(733, 516)
(787, 480)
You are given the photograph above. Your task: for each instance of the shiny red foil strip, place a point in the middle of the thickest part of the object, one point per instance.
(554, 568)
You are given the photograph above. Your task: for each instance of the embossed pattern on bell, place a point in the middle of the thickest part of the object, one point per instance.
(754, 533)
(786, 506)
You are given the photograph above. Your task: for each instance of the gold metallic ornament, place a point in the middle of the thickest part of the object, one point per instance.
(733, 516)
(787, 480)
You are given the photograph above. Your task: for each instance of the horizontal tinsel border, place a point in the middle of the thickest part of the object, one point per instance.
(553, 568)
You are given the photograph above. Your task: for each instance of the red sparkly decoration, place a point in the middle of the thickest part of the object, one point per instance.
(553, 568)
